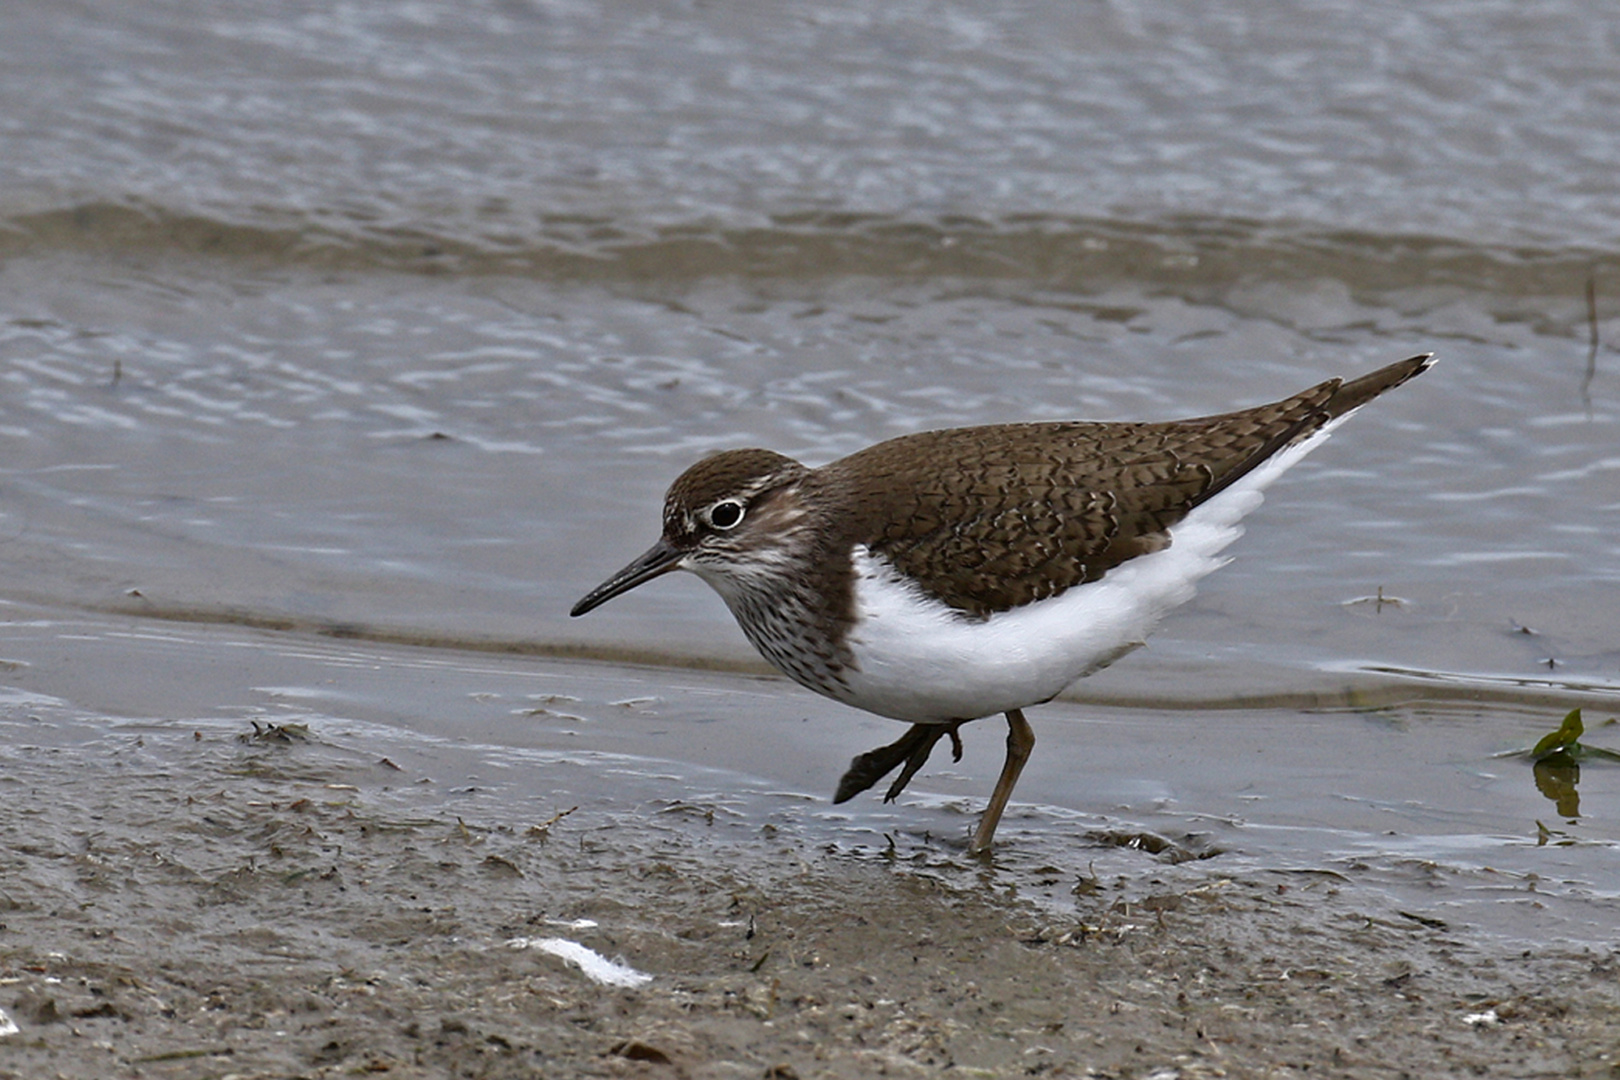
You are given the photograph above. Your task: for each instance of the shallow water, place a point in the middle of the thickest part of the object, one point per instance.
(1417, 808)
(393, 322)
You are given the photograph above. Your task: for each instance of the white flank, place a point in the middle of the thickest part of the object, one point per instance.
(596, 967)
(8, 1026)
(920, 660)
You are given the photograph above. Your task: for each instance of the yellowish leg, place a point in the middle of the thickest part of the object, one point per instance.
(1020, 741)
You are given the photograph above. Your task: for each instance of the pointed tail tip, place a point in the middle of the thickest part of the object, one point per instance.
(1406, 369)
(1358, 392)
(1409, 368)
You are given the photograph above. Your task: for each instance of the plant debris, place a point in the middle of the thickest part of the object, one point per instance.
(1566, 740)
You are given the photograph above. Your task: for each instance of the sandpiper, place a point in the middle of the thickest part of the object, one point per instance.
(951, 575)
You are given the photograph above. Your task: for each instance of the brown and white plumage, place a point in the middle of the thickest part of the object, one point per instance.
(949, 575)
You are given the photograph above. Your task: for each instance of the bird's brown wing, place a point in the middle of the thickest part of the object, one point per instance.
(990, 518)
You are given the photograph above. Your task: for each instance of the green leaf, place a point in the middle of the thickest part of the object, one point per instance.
(1566, 738)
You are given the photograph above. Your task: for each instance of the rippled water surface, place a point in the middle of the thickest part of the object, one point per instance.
(393, 321)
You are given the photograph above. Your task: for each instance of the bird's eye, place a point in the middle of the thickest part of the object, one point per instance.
(726, 515)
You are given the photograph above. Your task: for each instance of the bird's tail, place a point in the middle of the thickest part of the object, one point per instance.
(1357, 392)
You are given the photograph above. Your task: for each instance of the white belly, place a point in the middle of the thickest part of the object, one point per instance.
(917, 659)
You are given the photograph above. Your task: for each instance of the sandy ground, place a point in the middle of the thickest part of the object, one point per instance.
(272, 911)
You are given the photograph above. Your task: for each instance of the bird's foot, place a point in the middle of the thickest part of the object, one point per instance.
(919, 757)
(912, 748)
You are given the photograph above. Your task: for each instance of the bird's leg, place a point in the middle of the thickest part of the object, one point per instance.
(1020, 741)
(913, 748)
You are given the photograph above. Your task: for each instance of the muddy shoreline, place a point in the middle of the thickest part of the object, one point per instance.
(265, 909)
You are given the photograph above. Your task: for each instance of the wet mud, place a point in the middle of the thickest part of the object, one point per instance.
(261, 903)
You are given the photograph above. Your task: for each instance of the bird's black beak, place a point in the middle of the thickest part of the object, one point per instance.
(661, 558)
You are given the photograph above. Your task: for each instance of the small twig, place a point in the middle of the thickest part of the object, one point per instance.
(542, 831)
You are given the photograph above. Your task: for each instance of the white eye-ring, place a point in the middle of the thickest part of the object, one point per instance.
(726, 514)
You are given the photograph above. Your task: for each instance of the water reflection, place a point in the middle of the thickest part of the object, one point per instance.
(1557, 775)
(1556, 763)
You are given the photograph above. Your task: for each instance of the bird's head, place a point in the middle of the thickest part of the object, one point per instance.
(730, 519)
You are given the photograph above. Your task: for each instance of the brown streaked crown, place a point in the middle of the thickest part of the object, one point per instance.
(740, 475)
